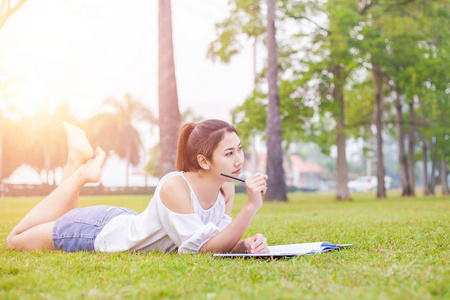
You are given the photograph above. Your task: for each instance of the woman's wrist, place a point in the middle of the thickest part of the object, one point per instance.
(239, 248)
(252, 206)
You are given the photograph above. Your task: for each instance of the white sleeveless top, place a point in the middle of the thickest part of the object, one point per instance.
(159, 228)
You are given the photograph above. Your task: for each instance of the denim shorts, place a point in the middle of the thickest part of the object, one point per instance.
(77, 229)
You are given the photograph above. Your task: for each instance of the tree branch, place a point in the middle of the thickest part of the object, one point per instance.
(9, 10)
(365, 8)
(315, 23)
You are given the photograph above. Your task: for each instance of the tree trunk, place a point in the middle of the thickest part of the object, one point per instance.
(47, 165)
(342, 192)
(369, 158)
(411, 143)
(426, 190)
(425, 185)
(127, 153)
(406, 188)
(443, 173)
(276, 181)
(1, 158)
(128, 159)
(254, 154)
(169, 112)
(433, 167)
(378, 75)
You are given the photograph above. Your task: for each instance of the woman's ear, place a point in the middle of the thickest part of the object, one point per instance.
(203, 162)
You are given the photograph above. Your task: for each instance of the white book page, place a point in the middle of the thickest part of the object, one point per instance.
(296, 248)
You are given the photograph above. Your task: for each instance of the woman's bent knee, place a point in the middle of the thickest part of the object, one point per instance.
(10, 241)
(35, 238)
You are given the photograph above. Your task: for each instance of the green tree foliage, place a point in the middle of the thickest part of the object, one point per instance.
(329, 63)
(338, 57)
(409, 41)
(246, 21)
(296, 114)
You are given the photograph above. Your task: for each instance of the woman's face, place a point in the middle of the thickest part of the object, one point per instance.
(228, 157)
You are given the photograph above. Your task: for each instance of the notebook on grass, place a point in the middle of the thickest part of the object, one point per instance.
(290, 250)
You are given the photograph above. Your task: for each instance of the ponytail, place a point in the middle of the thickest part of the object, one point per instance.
(182, 162)
(199, 139)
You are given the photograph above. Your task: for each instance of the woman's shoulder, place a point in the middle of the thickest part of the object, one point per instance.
(175, 194)
(173, 180)
(176, 178)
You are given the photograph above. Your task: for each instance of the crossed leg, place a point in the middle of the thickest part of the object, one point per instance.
(34, 231)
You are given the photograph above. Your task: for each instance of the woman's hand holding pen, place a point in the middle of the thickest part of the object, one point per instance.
(256, 186)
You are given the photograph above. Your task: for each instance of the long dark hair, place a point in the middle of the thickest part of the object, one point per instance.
(199, 139)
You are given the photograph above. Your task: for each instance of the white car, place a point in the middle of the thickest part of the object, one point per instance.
(367, 183)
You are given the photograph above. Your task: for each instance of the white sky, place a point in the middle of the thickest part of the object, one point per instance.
(84, 51)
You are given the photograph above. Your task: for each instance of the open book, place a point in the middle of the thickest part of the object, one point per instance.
(290, 250)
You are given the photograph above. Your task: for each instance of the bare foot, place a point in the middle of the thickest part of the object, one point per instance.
(80, 151)
(91, 170)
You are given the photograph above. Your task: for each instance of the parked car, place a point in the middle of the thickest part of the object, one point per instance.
(367, 183)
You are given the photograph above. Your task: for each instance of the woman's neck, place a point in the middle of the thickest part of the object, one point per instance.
(205, 187)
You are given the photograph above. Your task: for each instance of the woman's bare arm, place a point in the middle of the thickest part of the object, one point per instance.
(228, 239)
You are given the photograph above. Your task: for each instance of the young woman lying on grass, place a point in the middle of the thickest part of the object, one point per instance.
(189, 212)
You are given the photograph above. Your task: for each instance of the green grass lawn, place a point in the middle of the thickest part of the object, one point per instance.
(401, 251)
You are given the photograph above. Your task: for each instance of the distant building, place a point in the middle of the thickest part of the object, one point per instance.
(300, 173)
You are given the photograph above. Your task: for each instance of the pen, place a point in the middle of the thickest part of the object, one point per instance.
(236, 178)
(232, 177)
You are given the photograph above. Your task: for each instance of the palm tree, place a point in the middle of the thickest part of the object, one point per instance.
(276, 181)
(169, 112)
(115, 131)
(39, 140)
